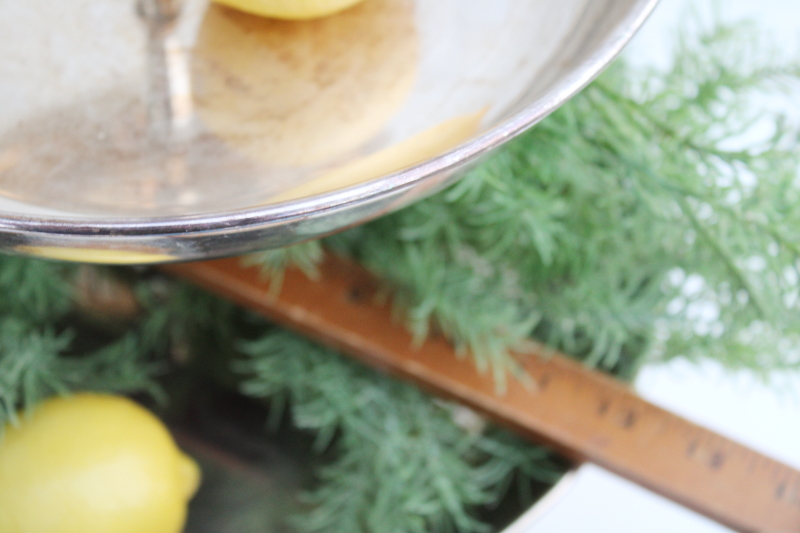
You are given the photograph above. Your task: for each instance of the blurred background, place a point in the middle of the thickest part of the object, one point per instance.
(764, 416)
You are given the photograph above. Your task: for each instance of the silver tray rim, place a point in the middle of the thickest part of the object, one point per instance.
(358, 198)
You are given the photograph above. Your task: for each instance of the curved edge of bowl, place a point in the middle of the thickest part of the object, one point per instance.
(169, 239)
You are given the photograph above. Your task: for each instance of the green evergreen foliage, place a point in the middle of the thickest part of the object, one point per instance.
(37, 359)
(34, 291)
(630, 224)
(402, 464)
(305, 256)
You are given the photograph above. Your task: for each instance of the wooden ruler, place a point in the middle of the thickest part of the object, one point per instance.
(583, 414)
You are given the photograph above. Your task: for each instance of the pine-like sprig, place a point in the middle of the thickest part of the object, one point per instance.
(37, 359)
(305, 256)
(34, 291)
(402, 464)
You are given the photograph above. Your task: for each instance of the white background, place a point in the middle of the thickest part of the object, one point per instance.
(766, 418)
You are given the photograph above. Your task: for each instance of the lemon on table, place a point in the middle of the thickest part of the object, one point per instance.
(93, 463)
(291, 9)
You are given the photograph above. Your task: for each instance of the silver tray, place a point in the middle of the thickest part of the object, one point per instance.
(168, 130)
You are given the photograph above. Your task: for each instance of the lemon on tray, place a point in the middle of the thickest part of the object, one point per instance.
(291, 9)
(93, 463)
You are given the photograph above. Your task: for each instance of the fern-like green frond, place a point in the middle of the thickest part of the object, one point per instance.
(402, 463)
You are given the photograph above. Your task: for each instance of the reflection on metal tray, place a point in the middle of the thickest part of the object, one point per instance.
(161, 130)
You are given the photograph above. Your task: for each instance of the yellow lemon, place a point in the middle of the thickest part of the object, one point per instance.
(291, 9)
(93, 463)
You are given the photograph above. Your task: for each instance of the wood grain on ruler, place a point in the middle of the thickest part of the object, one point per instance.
(583, 414)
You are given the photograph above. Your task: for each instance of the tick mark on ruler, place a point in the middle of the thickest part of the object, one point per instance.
(629, 420)
(603, 408)
(356, 294)
(691, 449)
(780, 491)
(544, 381)
(717, 460)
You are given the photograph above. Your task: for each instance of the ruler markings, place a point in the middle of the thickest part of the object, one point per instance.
(585, 415)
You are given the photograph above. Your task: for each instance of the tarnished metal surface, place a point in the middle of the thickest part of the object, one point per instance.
(169, 130)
